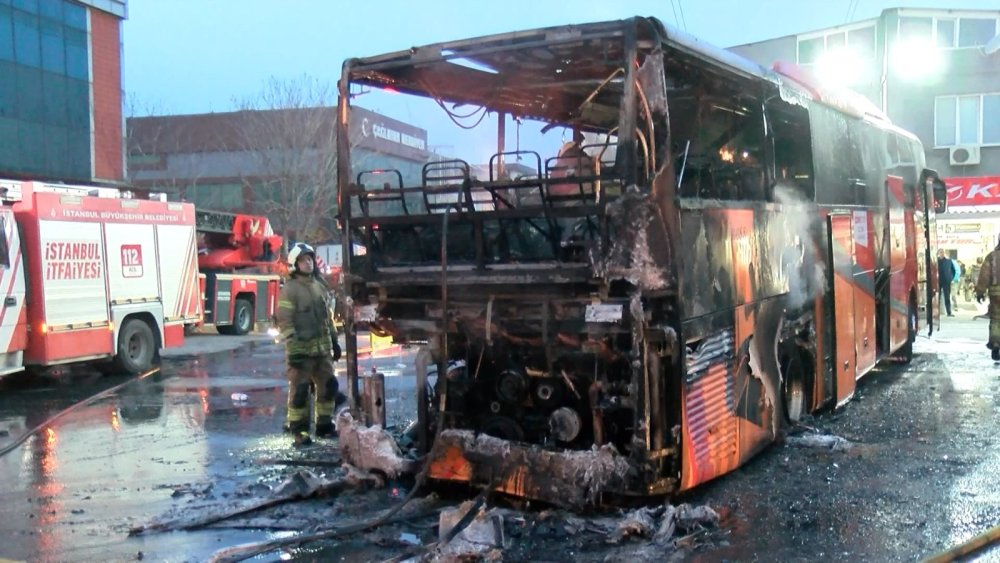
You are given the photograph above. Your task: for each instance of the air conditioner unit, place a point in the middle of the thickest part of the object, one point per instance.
(962, 155)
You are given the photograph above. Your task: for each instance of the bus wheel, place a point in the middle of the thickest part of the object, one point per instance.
(794, 385)
(136, 347)
(905, 354)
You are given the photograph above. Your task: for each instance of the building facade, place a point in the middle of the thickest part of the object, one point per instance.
(61, 90)
(935, 73)
(278, 163)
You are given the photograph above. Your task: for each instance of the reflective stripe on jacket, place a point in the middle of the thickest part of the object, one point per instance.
(304, 316)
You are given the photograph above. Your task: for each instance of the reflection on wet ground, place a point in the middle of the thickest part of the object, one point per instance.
(74, 490)
(921, 477)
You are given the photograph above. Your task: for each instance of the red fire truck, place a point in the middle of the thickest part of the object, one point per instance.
(239, 259)
(91, 275)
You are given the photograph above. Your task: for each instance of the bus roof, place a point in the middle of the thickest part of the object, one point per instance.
(472, 62)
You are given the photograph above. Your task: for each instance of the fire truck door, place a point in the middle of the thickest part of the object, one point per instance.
(13, 315)
(841, 304)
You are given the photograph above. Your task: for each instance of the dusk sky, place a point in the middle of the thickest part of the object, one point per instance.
(198, 56)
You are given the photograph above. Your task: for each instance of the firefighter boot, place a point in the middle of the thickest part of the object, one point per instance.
(325, 428)
(296, 427)
(995, 353)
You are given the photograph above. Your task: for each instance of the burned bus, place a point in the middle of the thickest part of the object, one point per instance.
(639, 260)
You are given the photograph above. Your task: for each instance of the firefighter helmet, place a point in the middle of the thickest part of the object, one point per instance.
(298, 250)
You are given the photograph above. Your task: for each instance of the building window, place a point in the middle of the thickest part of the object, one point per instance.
(948, 33)
(859, 39)
(945, 33)
(6, 34)
(967, 120)
(973, 32)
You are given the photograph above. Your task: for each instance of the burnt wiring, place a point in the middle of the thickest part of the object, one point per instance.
(454, 117)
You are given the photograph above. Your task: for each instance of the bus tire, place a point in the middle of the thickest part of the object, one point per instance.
(136, 347)
(794, 383)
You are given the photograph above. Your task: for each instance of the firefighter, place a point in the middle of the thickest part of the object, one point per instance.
(988, 284)
(310, 345)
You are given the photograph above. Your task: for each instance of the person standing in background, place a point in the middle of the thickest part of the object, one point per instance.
(946, 273)
(956, 282)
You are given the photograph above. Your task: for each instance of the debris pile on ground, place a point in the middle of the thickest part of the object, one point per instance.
(820, 441)
(371, 448)
(543, 471)
(299, 485)
(660, 523)
(481, 540)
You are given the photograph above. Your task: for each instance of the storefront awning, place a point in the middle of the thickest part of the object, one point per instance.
(973, 194)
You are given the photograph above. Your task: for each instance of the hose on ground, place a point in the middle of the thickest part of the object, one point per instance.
(52, 419)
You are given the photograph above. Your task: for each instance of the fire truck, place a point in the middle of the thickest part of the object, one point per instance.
(91, 275)
(239, 260)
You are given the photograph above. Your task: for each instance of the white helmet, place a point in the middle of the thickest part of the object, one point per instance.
(297, 250)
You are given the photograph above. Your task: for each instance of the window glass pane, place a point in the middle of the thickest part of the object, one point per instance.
(75, 15)
(56, 146)
(32, 140)
(77, 65)
(975, 32)
(8, 91)
(26, 39)
(51, 9)
(29, 94)
(946, 33)
(78, 105)
(10, 152)
(835, 41)
(968, 120)
(78, 154)
(6, 34)
(944, 122)
(915, 29)
(862, 41)
(53, 48)
(991, 119)
(27, 5)
(810, 50)
(54, 91)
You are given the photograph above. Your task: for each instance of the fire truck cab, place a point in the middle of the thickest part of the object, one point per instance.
(90, 275)
(239, 259)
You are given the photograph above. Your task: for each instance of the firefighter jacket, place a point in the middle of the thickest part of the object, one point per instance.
(304, 317)
(989, 275)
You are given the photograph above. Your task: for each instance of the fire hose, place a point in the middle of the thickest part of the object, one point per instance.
(94, 398)
(982, 541)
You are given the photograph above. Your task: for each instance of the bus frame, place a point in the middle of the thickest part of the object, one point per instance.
(741, 246)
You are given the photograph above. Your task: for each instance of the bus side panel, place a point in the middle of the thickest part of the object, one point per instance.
(709, 431)
(864, 291)
(902, 262)
(845, 352)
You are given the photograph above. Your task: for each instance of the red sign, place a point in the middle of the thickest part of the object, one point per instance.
(969, 192)
(131, 261)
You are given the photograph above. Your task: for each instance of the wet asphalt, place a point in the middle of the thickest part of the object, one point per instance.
(923, 473)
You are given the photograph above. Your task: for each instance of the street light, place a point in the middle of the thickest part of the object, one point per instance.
(916, 60)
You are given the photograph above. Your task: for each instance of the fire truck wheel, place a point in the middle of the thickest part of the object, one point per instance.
(243, 316)
(136, 347)
(242, 319)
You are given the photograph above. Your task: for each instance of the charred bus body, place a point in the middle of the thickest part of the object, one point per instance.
(722, 248)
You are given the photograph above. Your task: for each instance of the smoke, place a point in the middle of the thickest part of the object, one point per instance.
(793, 244)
